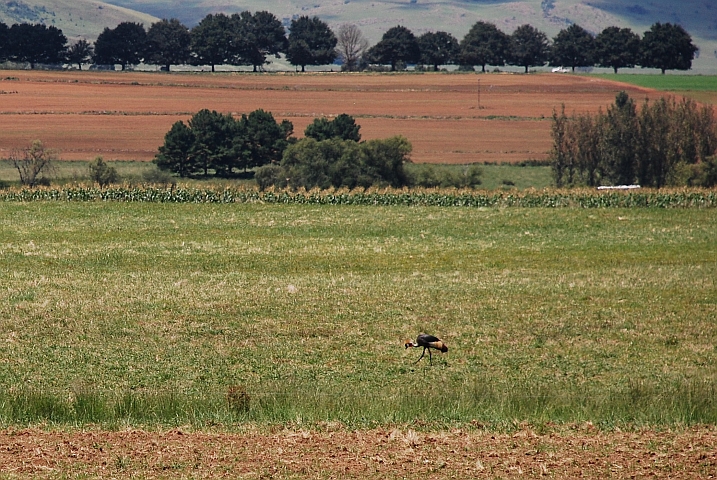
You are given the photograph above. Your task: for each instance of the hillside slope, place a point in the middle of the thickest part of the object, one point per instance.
(77, 18)
(374, 17)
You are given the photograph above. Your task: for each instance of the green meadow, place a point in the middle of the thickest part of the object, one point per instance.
(701, 88)
(672, 82)
(149, 314)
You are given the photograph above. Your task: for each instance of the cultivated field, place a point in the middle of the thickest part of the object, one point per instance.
(449, 118)
(581, 341)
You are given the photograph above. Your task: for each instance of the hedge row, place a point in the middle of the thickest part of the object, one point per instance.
(581, 198)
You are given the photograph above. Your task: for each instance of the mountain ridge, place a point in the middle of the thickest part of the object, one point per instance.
(76, 18)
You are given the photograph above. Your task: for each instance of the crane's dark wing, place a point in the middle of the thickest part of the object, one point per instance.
(430, 341)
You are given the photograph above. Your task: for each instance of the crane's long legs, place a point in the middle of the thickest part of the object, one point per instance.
(424, 352)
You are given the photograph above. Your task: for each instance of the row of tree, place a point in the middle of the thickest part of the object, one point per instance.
(665, 142)
(248, 39)
(664, 46)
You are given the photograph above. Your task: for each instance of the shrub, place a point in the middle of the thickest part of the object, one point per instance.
(158, 177)
(341, 163)
(430, 176)
(101, 173)
(33, 163)
(269, 175)
(238, 399)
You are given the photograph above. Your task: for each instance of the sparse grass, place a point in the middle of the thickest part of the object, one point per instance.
(68, 172)
(142, 314)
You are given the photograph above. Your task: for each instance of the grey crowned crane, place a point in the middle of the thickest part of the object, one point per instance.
(427, 342)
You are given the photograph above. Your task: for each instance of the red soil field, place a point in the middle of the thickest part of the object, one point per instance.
(579, 452)
(449, 118)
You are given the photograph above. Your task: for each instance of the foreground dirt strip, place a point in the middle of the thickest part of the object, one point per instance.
(582, 451)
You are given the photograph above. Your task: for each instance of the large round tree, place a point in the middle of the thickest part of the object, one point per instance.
(484, 45)
(168, 43)
(667, 47)
(438, 48)
(214, 41)
(573, 47)
(398, 44)
(125, 45)
(617, 47)
(529, 47)
(311, 42)
(260, 34)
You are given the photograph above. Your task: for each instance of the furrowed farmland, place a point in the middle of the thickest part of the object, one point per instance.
(210, 330)
(449, 118)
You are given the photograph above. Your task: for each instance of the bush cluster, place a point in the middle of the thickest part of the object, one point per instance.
(218, 144)
(666, 142)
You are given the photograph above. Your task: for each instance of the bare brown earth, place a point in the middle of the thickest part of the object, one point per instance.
(449, 118)
(577, 452)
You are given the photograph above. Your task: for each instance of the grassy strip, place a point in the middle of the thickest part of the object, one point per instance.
(674, 83)
(583, 198)
(637, 403)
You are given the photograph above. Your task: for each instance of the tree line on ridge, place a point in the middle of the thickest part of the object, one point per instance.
(250, 38)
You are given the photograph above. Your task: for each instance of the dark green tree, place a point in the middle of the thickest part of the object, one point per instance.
(263, 139)
(4, 39)
(260, 35)
(124, 45)
(175, 154)
(80, 52)
(214, 41)
(343, 127)
(168, 43)
(214, 146)
(36, 44)
(573, 47)
(398, 44)
(667, 47)
(484, 45)
(311, 42)
(617, 47)
(529, 47)
(438, 48)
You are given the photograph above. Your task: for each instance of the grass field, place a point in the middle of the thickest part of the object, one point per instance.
(675, 83)
(143, 314)
(702, 88)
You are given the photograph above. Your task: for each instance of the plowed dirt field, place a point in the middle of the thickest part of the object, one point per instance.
(449, 118)
(581, 452)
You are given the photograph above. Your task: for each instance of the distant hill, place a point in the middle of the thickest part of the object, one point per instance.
(87, 18)
(76, 18)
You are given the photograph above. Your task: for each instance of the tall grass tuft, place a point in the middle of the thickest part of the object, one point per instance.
(633, 402)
